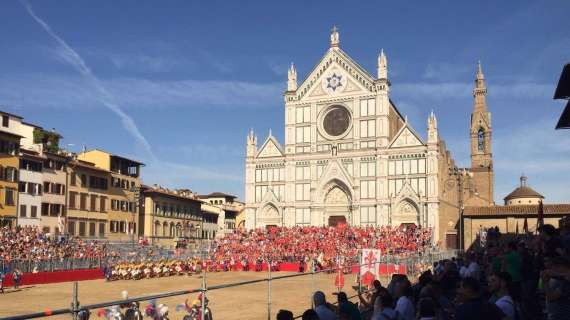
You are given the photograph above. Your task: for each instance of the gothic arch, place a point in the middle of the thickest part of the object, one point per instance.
(406, 211)
(332, 184)
(270, 214)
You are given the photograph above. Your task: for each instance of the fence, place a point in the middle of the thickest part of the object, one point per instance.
(304, 285)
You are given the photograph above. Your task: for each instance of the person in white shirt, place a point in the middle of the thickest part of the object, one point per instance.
(404, 305)
(499, 284)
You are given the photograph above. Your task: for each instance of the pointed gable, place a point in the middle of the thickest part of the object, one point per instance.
(406, 137)
(347, 75)
(270, 148)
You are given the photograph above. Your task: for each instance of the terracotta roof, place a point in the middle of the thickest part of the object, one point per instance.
(217, 195)
(549, 209)
(151, 190)
(523, 192)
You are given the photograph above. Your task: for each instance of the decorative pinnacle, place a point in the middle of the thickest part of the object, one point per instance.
(334, 37)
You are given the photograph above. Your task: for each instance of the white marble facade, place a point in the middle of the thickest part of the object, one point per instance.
(349, 155)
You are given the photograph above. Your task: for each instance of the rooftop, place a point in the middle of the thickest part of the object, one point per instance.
(549, 209)
(524, 191)
(217, 195)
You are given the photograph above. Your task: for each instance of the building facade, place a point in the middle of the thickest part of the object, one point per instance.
(170, 215)
(30, 188)
(123, 192)
(9, 163)
(87, 200)
(227, 221)
(349, 156)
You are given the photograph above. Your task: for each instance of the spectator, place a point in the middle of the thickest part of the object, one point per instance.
(310, 314)
(556, 282)
(427, 309)
(284, 315)
(384, 308)
(404, 305)
(499, 284)
(345, 306)
(322, 308)
(473, 307)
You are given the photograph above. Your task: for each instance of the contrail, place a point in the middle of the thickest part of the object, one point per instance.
(75, 60)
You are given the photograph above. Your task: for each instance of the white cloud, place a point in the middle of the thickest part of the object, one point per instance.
(43, 91)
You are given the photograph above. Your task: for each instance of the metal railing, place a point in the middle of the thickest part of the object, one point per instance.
(414, 266)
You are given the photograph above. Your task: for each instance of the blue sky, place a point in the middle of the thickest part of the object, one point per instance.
(194, 76)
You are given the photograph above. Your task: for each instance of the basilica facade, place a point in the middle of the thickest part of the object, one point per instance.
(350, 156)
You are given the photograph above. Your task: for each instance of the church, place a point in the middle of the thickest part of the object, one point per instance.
(350, 156)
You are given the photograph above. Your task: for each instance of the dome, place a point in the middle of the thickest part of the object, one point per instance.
(523, 192)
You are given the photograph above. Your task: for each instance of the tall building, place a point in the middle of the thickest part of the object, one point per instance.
(478, 189)
(123, 192)
(9, 163)
(349, 156)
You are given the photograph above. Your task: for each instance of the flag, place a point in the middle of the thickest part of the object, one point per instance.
(369, 267)
(525, 226)
(540, 220)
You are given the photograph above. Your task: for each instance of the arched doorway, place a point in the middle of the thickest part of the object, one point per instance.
(337, 206)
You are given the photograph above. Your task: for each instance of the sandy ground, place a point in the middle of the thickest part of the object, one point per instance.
(243, 302)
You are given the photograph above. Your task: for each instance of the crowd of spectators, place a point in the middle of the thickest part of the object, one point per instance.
(321, 245)
(30, 243)
(523, 277)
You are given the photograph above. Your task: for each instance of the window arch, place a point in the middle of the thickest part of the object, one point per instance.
(481, 140)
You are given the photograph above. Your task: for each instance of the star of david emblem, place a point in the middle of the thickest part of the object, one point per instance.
(334, 81)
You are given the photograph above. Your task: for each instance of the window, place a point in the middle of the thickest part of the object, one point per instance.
(22, 210)
(92, 229)
(368, 169)
(367, 215)
(9, 199)
(302, 191)
(83, 180)
(83, 201)
(45, 209)
(29, 165)
(481, 140)
(367, 128)
(303, 115)
(122, 227)
(71, 228)
(124, 206)
(114, 205)
(22, 187)
(55, 209)
(72, 199)
(82, 229)
(73, 179)
(33, 211)
(103, 204)
(303, 134)
(93, 202)
(367, 107)
(368, 189)
(49, 164)
(5, 121)
(11, 174)
(9, 147)
(101, 229)
(302, 216)
(303, 173)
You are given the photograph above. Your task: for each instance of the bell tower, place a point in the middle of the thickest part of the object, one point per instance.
(481, 190)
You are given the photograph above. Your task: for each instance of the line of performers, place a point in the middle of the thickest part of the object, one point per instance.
(152, 269)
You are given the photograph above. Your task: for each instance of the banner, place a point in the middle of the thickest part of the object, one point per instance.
(370, 265)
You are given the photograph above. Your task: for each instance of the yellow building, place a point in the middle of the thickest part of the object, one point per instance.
(123, 193)
(171, 216)
(87, 200)
(9, 163)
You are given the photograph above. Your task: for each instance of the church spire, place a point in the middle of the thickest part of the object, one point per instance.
(480, 90)
(292, 78)
(335, 41)
(382, 66)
